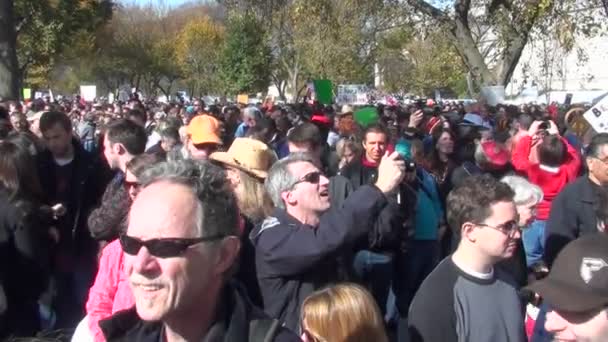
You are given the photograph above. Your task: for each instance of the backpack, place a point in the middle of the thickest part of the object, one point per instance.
(263, 330)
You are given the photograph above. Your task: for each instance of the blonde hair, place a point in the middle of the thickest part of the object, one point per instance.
(253, 200)
(342, 313)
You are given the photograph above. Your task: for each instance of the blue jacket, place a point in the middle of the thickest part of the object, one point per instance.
(294, 259)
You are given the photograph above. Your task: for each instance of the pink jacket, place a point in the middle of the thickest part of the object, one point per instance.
(110, 292)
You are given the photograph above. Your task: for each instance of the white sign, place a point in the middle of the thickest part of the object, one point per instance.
(352, 94)
(88, 92)
(597, 116)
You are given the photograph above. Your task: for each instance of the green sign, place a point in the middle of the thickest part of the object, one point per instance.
(366, 116)
(324, 91)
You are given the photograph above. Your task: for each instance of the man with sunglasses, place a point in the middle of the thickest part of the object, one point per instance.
(180, 251)
(467, 298)
(297, 246)
(576, 290)
(203, 137)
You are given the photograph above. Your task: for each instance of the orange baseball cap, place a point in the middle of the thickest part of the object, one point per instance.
(204, 129)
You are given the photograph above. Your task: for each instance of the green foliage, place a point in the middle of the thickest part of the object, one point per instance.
(199, 51)
(46, 27)
(246, 58)
(420, 65)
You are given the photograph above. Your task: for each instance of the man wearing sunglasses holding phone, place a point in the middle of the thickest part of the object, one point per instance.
(180, 251)
(297, 246)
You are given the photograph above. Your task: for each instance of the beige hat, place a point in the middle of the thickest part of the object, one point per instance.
(249, 155)
(346, 109)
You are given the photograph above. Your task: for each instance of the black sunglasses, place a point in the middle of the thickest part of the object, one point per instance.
(206, 146)
(162, 248)
(129, 185)
(313, 178)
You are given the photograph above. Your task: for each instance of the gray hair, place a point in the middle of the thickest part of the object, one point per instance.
(252, 112)
(480, 155)
(217, 209)
(280, 179)
(523, 189)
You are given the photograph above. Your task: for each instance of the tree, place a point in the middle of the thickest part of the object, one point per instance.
(246, 59)
(333, 39)
(45, 27)
(199, 51)
(9, 79)
(490, 35)
(420, 64)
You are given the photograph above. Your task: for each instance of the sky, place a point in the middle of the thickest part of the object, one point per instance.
(171, 3)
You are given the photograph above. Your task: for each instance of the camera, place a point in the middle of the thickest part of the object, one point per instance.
(410, 166)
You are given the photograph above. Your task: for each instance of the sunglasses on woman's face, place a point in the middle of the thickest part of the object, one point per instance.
(162, 248)
(130, 184)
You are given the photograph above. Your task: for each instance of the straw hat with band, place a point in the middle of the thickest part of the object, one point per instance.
(248, 155)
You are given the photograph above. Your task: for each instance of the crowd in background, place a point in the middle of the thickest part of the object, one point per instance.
(428, 222)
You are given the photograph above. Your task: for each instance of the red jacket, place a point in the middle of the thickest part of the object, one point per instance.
(550, 181)
(110, 292)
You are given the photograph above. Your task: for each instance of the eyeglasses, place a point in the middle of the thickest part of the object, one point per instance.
(205, 146)
(129, 185)
(604, 161)
(312, 178)
(507, 228)
(162, 248)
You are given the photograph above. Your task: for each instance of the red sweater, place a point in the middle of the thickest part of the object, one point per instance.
(550, 182)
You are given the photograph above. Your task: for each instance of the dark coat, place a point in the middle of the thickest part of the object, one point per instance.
(89, 179)
(239, 313)
(572, 215)
(389, 231)
(110, 218)
(294, 259)
(24, 269)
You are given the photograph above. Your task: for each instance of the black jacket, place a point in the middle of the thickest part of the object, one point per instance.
(110, 218)
(389, 231)
(572, 215)
(24, 269)
(89, 179)
(294, 259)
(238, 314)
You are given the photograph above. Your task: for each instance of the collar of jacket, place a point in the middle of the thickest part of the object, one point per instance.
(587, 193)
(127, 326)
(279, 217)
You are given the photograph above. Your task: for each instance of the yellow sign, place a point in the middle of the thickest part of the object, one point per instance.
(27, 93)
(243, 98)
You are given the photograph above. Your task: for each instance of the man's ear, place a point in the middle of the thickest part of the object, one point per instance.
(288, 198)
(227, 254)
(119, 148)
(468, 231)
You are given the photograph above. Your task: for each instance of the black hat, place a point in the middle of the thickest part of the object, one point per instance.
(578, 281)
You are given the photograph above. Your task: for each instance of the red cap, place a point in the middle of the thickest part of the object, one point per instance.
(496, 154)
(321, 119)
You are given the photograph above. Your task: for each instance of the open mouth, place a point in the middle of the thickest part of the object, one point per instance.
(324, 193)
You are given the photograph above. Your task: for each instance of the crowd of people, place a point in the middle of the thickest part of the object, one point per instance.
(201, 222)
